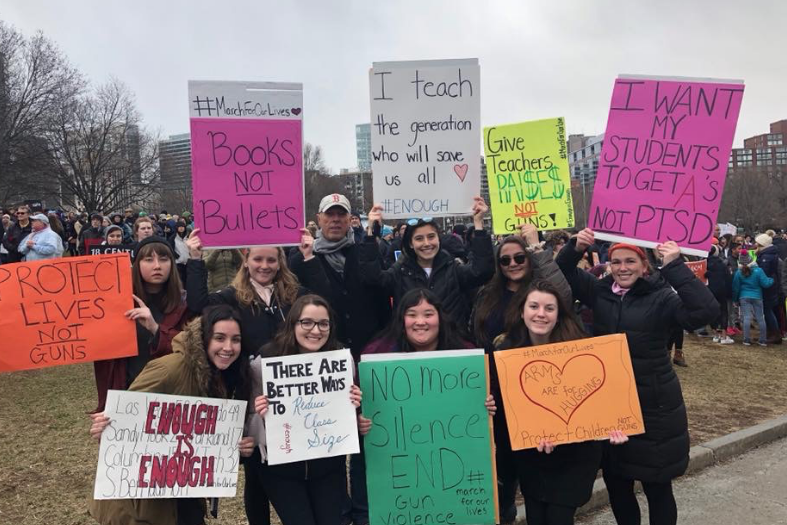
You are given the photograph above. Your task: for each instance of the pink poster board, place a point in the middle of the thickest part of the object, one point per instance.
(664, 160)
(247, 164)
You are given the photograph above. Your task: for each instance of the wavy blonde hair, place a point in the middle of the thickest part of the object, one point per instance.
(285, 284)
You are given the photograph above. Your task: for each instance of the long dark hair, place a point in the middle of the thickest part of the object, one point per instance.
(489, 297)
(567, 327)
(449, 335)
(408, 237)
(236, 376)
(285, 343)
(173, 290)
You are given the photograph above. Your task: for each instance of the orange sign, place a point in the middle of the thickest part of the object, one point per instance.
(64, 311)
(699, 268)
(569, 392)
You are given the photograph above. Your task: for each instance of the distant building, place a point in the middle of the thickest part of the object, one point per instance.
(768, 149)
(363, 146)
(583, 158)
(357, 188)
(175, 164)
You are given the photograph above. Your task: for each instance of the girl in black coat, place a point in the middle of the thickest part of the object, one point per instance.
(644, 304)
(555, 480)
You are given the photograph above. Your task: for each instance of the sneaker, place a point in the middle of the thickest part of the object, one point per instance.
(730, 331)
(747, 343)
(726, 341)
(762, 344)
(716, 339)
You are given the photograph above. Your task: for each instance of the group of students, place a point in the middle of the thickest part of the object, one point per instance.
(334, 292)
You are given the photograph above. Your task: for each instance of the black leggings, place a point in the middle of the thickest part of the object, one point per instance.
(675, 338)
(661, 501)
(543, 513)
(306, 501)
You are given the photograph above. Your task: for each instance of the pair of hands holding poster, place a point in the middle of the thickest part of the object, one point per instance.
(668, 251)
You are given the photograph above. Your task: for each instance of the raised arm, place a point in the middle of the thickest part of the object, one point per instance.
(583, 284)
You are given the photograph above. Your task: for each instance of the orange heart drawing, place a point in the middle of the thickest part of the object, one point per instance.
(562, 391)
(461, 171)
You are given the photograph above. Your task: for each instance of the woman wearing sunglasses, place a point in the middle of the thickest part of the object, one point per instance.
(520, 260)
(424, 264)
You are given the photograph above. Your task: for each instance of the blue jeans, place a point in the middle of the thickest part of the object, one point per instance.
(753, 307)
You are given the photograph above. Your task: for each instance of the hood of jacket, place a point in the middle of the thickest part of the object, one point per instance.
(195, 359)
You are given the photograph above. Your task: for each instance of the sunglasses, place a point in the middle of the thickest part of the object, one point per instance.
(424, 220)
(21, 213)
(518, 259)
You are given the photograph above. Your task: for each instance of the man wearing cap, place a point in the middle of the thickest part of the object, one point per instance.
(92, 236)
(16, 232)
(41, 242)
(362, 311)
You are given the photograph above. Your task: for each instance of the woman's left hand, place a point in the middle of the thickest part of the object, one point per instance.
(307, 244)
(355, 395)
(364, 425)
(479, 210)
(490, 405)
(617, 437)
(668, 251)
(142, 315)
(246, 446)
(545, 446)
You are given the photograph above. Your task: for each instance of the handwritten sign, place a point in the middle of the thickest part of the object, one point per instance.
(247, 162)
(569, 392)
(664, 161)
(430, 445)
(164, 446)
(310, 414)
(699, 269)
(64, 311)
(529, 180)
(425, 131)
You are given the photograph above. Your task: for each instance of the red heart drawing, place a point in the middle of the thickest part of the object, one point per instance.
(296, 111)
(562, 390)
(461, 171)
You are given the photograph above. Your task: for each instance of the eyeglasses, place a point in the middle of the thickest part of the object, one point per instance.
(309, 324)
(505, 260)
(21, 213)
(424, 220)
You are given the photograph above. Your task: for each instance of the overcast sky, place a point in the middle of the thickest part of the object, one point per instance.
(538, 59)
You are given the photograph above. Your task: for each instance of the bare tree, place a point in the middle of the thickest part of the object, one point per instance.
(753, 198)
(313, 160)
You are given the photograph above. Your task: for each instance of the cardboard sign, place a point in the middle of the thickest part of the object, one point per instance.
(529, 180)
(247, 162)
(699, 268)
(569, 392)
(727, 229)
(429, 453)
(64, 311)
(164, 446)
(664, 161)
(425, 131)
(310, 414)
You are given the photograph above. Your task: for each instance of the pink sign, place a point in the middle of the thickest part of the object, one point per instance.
(664, 160)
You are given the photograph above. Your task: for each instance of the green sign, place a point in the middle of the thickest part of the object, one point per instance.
(429, 455)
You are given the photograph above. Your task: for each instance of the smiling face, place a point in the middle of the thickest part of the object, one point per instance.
(626, 267)
(263, 264)
(540, 314)
(422, 325)
(515, 271)
(314, 338)
(425, 243)
(334, 223)
(224, 346)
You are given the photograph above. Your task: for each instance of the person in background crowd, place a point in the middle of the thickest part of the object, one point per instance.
(719, 282)
(57, 227)
(643, 304)
(6, 223)
(105, 222)
(114, 235)
(733, 310)
(396, 244)
(18, 231)
(312, 227)
(768, 261)
(92, 236)
(748, 288)
(555, 241)
(386, 236)
(73, 227)
(357, 226)
(41, 242)
(143, 228)
(222, 265)
(117, 220)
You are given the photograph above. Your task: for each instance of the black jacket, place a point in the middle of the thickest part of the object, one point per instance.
(719, 278)
(13, 236)
(647, 313)
(361, 311)
(449, 279)
(768, 260)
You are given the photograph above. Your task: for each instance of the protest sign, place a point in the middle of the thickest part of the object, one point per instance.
(569, 392)
(430, 446)
(699, 269)
(425, 130)
(64, 311)
(247, 162)
(529, 181)
(118, 248)
(727, 229)
(310, 414)
(664, 161)
(165, 446)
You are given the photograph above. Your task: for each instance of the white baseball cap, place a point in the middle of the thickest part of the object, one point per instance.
(335, 199)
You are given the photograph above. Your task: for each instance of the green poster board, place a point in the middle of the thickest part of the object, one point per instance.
(429, 454)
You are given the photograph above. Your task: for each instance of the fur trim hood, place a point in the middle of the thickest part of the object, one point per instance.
(195, 359)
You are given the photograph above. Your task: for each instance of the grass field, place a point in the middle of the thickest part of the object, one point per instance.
(47, 475)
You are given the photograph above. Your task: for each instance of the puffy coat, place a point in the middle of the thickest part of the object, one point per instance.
(647, 314)
(750, 287)
(13, 237)
(449, 279)
(768, 261)
(718, 277)
(185, 372)
(222, 266)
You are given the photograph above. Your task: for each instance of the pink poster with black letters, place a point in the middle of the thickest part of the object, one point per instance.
(247, 162)
(664, 160)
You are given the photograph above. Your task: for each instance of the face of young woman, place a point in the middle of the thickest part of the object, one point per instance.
(114, 238)
(626, 267)
(144, 231)
(154, 269)
(425, 243)
(540, 313)
(313, 339)
(421, 324)
(224, 346)
(263, 265)
(514, 271)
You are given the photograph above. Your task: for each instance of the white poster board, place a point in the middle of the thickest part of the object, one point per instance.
(164, 446)
(310, 414)
(426, 136)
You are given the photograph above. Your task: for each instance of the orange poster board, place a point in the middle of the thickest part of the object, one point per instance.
(64, 311)
(569, 392)
(699, 268)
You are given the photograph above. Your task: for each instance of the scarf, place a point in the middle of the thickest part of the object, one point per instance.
(264, 292)
(332, 250)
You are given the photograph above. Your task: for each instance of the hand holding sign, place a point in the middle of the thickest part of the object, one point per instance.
(355, 396)
(142, 315)
(246, 447)
(261, 405)
(99, 423)
(529, 233)
(480, 208)
(307, 245)
(669, 251)
(584, 239)
(375, 216)
(194, 244)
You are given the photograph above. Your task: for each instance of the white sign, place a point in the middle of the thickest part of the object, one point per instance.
(310, 414)
(164, 446)
(426, 136)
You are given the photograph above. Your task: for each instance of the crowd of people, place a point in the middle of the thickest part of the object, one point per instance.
(205, 319)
